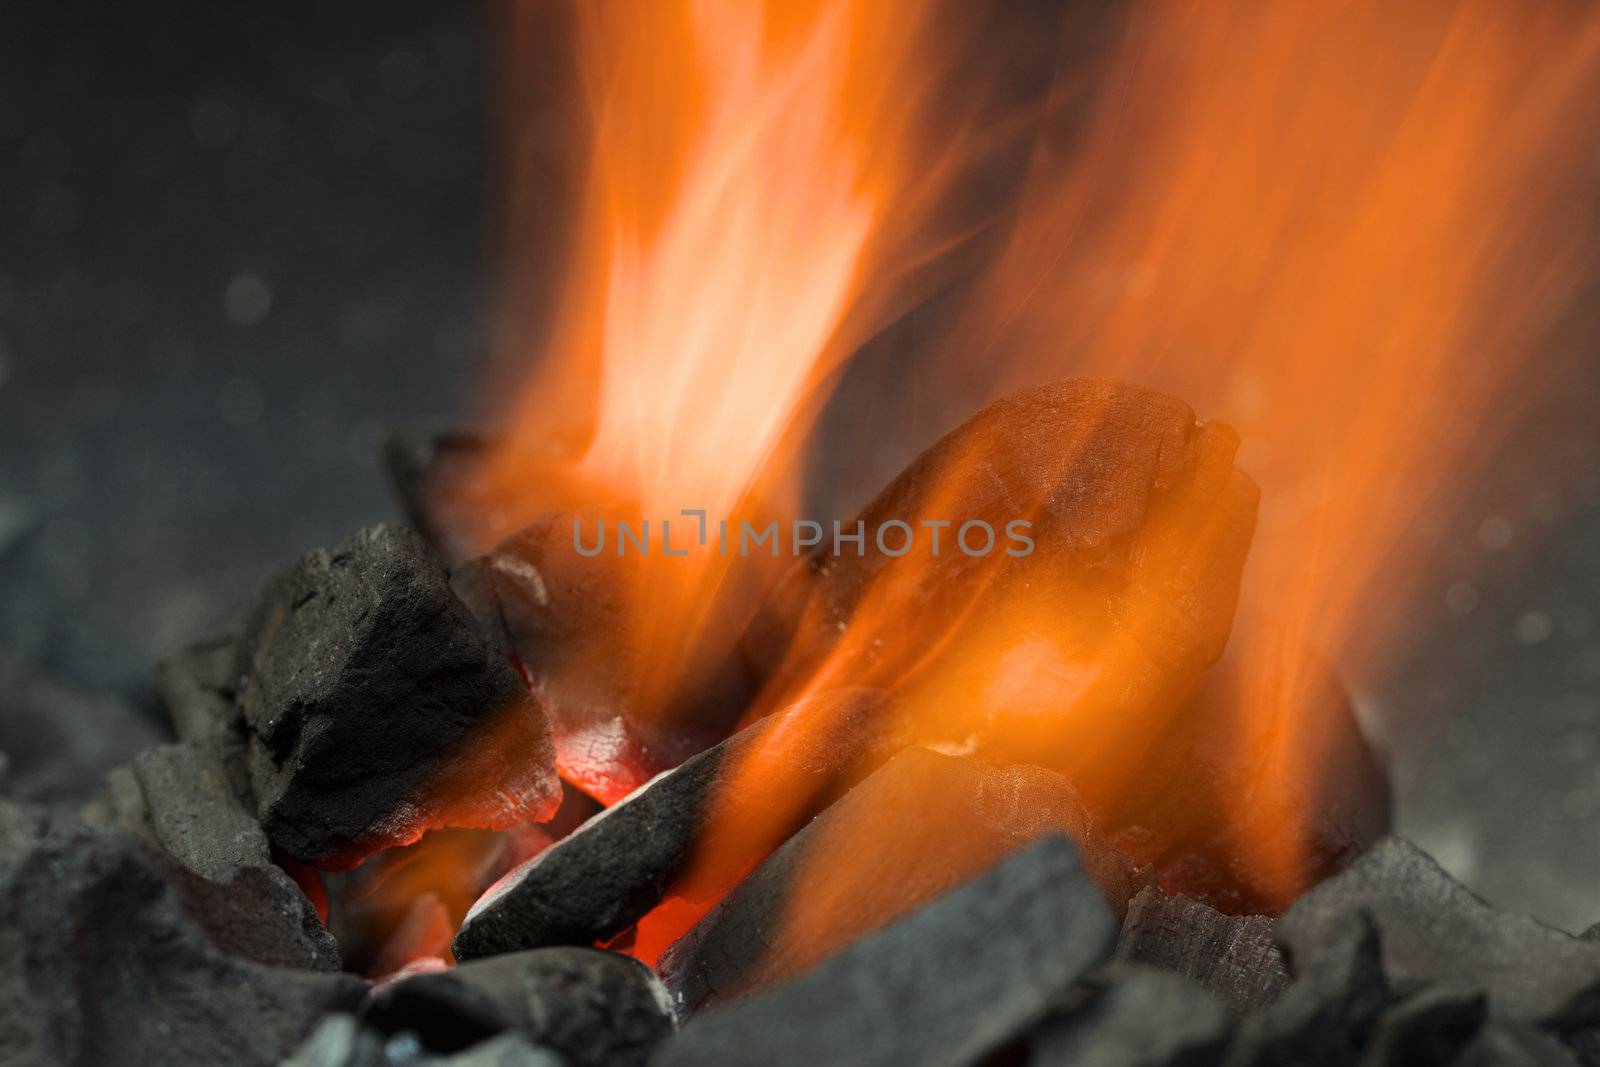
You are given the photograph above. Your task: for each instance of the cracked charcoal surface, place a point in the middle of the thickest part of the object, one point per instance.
(1234, 957)
(378, 708)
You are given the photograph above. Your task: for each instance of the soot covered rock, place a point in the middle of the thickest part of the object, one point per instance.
(919, 825)
(379, 709)
(946, 985)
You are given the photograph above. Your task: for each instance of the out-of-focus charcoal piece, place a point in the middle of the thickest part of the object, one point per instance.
(919, 825)
(1233, 957)
(379, 709)
(1140, 527)
(198, 687)
(435, 477)
(114, 954)
(591, 1007)
(1131, 1016)
(948, 984)
(601, 879)
(1432, 1025)
(569, 621)
(1259, 787)
(1327, 1013)
(1511, 1043)
(59, 741)
(340, 1041)
(1435, 929)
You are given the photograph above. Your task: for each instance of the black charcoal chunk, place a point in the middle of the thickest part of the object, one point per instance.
(1327, 1013)
(918, 825)
(1431, 1026)
(591, 1007)
(1133, 1016)
(948, 984)
(198, 687)
(379, 709)
(59, 741)
(602, 878)
(111, 953)
(1232, 956)
(1435, 929)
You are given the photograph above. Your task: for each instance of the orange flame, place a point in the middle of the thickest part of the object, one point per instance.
(1338, 226)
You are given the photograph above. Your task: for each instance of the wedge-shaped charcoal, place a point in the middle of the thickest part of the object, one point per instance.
(1431, 1025)
(198, 687)
(917, 826)
(1132, 1016)
(379, 709)
(591, 1007)
(111, 953)
(947, 984)
(1435, 929)
(59, 740)
(1232, 956)
(1326, 1015)
(602, 878)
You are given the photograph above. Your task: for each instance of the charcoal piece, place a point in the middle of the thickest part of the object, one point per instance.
(59, 741)
(920, 824)
(1133, 1016)
(1235, 777)
(1231, 956)
(569, 621)
(1431, 1026)
(198, 687)
(603, 877)
(340, 1041)
(378, 709)
(1327, 1013)
(590, 1007)
(1511, 1043)
(1435, 929)
(945, 985)
(433, 476)
(112, 953)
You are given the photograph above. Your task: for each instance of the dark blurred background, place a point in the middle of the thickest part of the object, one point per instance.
(241, 241)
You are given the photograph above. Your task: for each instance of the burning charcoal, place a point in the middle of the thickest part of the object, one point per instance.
(948, 984)
(1236, 777)
(917, 826)
(1432, 1025)
(378, 709)
(114, 954)
(601, 879)
(198, 686)
(59, 741)
(1233, 957)
(591, 1007)
(1135, 1017)
(1435, 929)
(567, 619)
(1327, 1013)
(1140, 526)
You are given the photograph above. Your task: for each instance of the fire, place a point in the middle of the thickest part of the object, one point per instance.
(1337, 227)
